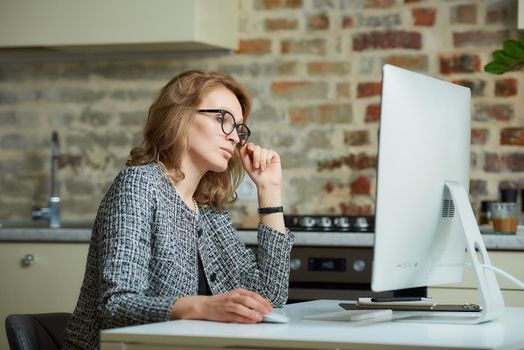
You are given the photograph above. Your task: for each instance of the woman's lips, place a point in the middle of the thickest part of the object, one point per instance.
(228, 151)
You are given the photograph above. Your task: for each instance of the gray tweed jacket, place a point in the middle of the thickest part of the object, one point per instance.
(143, 256)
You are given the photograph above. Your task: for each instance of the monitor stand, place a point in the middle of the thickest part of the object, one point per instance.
(491, 299)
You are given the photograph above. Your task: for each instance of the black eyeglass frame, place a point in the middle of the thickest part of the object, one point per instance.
(223, 112)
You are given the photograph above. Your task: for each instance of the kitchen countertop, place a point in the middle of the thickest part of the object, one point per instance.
(302, 238)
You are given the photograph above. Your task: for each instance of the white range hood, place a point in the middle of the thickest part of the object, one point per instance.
(117, 25)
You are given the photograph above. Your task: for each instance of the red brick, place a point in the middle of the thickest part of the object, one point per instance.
(373, 113)
(334, 113)
(70, 160)
(506, 87)
(359, 161)
(280, 24)
(277, 4)
(418, 62)
(492, 163)
(478, 187)
(424, 16)
(394, 39)
(369, 89)
(476, 38)
(356, 138)
(459, 64)
(476, 86)
(500, 112)
(318, 22)
(512, 136)
(343, 90)
(514, 162)
(328, 187)
(347, 22)
(324, 68)
(282, 68)
(361, 185)
(479, 136)
(349, 208)
(300, 115)
(299, 89)
(379, 3)
(510, 184)
(466, 14)
(312, 46)
(254, 46)
(501, 12)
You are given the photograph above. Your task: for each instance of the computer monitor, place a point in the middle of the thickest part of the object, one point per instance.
(424, 220)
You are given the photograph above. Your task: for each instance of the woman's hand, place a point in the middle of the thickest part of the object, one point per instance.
(239, 305)
(262, 165)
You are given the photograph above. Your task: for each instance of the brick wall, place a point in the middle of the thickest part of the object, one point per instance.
(313, 69)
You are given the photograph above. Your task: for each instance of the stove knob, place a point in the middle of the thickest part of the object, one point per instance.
(342, 222)
(308, 222)
(361, 223)
(359, 265)
(295, 264)
(326, 222)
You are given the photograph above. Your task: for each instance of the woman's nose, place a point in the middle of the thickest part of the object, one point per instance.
(234, 137)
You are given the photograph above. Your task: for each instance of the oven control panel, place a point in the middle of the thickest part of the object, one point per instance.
(331, 264)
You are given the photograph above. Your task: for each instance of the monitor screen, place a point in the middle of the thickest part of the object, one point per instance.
(424, 140)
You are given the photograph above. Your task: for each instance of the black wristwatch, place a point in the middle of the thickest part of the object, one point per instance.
(270, 210)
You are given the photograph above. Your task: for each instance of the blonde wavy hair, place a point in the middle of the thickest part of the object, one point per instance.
(166, 134)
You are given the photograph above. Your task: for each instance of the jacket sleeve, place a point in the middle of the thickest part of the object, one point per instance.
(273, 255)
(124, 228)
(235, 266)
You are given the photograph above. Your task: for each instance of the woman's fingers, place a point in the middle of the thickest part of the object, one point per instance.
(270, 155)
(260, 157)
(245, 306)
(254, 300)
(256, 156)
(239, 305)
(263, 159)
(239, 310)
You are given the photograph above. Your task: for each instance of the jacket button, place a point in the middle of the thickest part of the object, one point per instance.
(213, 277)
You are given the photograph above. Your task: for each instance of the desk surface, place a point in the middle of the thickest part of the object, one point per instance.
(506, 332)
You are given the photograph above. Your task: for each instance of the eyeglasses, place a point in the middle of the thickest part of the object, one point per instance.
(228, 123)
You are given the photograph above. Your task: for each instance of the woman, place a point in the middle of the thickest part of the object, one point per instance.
(162, 247)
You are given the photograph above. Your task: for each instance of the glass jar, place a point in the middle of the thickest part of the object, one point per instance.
(505, 217)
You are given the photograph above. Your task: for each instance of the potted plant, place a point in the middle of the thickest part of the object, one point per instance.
(510, 58)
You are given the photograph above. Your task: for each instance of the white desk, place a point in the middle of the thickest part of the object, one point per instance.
(506, 332)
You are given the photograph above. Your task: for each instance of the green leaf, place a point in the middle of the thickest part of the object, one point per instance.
(496, 68)
(522, 40)
(513, 49)
(501, 57)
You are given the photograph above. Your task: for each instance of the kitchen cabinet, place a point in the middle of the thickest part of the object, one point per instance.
(511, 262)
(39, 278)
(118, 25)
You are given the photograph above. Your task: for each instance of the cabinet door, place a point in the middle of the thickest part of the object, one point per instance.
(50, 282)
(466, 291)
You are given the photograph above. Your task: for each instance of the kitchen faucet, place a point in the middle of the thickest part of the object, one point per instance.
(52, 212)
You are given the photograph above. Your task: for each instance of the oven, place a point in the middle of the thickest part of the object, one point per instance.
(333, 272)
